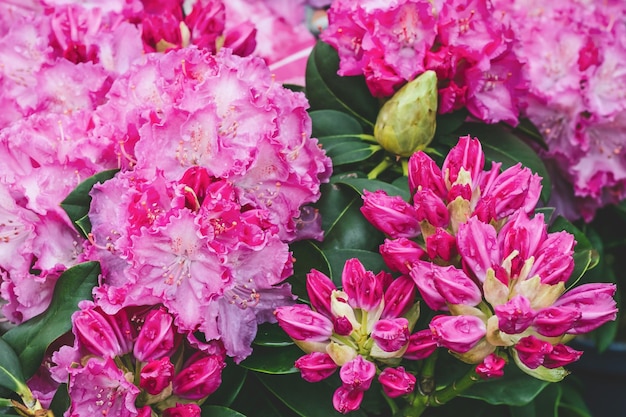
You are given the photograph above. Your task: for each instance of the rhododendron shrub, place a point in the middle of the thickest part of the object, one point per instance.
(467, 43)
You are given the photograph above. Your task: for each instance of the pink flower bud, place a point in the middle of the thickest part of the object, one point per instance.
(390, 214)
(457, 333)
(514, 189)
(364, 289)
(561, 355)
(358, 374)
(342, 326)
(515, 316)
(396, 381)
(197, 180)
(460, 190)
(522, 234)
(241, 38)
(421, 345)
(595, 303)
(95, 333)
(554, 261)
(183, 410)
(315, 366)
(491, 367)
(319, 287)
(399, 254)
(429, 207)
(423, 274)
(531, 351)
(156, 338)
(455, 286)
(391, 334)
(466, 154)
(441, 245)
(425, 174)
(399, 297)
(156, 375)
(201, 376)
(346, 399)
(478, 246)
(145, 411)
(555, 321)
(302, 323)
(206, 23)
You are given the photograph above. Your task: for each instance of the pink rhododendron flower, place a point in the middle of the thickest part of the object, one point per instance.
(491, 367)
(156, 375)
(315, 366)
(396, 381)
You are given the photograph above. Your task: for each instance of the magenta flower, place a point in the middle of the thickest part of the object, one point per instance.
(156, 338)
(346, 399)
(396, 381)
(200, 376)
(399, 254)
(491, 367)
(315, 366)
(156, 376)
(183, 410)
(457, 333)
(390, 214)
(302, 323)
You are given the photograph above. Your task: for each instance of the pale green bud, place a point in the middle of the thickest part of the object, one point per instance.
(406, 123)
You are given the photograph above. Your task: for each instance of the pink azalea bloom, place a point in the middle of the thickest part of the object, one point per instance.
(99, 387)
(515, 315)
(396, 381)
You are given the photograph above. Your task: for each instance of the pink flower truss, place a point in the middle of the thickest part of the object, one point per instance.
(465, 42)
(367, 323)
(574, 53)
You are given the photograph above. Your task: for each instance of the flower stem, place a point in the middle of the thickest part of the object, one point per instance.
(380, 168)
(443, 396)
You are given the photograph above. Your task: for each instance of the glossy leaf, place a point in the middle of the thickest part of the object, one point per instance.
(76, 204)
(273, 360)
(544, 405)
(233, 379)
(60, 401)
(516, 389)
(327, 90)
(304, 398)
(255, 400)
(449, 122)
(271, 335)
(308, 256)
(500, 145)
(585, 255)
(31, 338)
(360, 184)
(347, 149)
(333, 122)
(219, 411)
(11, 375)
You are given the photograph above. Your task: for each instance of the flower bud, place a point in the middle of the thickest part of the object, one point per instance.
(201, 376)
(391, 335)
(390, 214)
(399, 254)
(441, 244)
(594, 301)
(156, 338)
(555, 321)
(94, 332)
(532, 351)
(467, 155)
(429, 207)
(183, 410)
(358, 374)
(396, 382)
(346, 399)
(316, 366)
(399, 297)
(458, 333)
(364, 289)
(491, 367)
(302, 323)
(424, 173)
(406, 123)
(421, 345)
(156, 376)
(561, 355)
(455, 286)
(320, 287)
(515, 315)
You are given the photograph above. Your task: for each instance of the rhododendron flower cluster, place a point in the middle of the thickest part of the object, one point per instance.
(365, 329)
(574, 53)
(133, 362)
(467, 44)
(474, 250)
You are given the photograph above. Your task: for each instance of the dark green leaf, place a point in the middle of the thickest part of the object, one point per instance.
(501, 145)
(547, 213)
(306, 399)
(372, 261)
(585, 255)
(516, 389)
(308, 256)
(255, 400)
(60, 401)
(271, 335)
(11, 375)
(218, 411)
(582, 241)
(233, 379)
(360, 184)
(76, 204)
(326, 90)
(31, 338)
(545, 405)
(572, 403)
(449, 122)
(332, 123)
(345, 150)
(527, 128)
(273, 360)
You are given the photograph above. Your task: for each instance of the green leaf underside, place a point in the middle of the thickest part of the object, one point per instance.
(32, 338)
(11, 375)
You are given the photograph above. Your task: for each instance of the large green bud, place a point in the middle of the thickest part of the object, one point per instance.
(406, 123)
